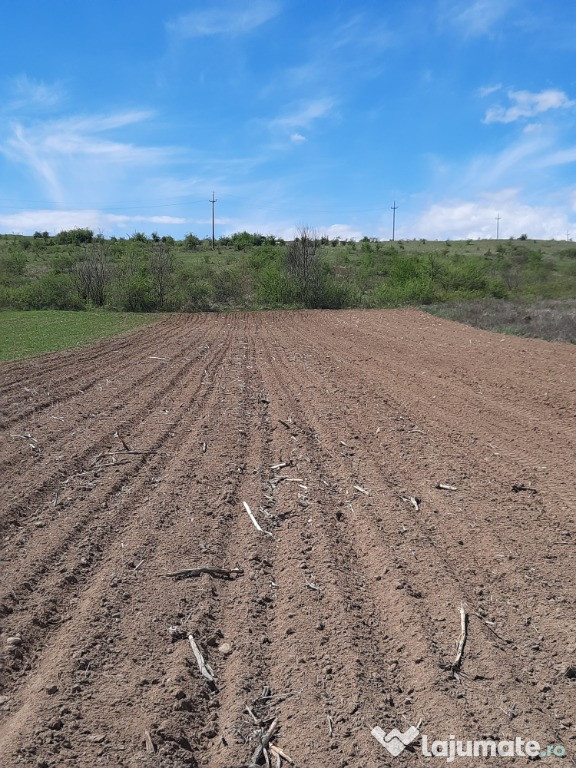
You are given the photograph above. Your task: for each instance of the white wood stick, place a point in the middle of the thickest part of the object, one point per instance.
(205, 669)
(462, 641)
(256, 523)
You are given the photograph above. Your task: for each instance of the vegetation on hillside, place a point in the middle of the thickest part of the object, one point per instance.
(550, 319)
(78, 270)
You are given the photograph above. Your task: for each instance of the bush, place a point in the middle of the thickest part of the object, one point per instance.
(74, 236)
(51, 291)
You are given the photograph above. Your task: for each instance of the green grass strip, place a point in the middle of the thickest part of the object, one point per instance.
(34, 332)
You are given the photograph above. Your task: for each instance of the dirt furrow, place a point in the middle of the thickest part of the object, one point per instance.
(336, 429)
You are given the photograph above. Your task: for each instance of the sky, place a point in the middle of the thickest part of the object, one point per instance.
(127, 116)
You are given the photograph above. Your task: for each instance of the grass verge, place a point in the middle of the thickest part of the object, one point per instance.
(552, 320)
(23, 334)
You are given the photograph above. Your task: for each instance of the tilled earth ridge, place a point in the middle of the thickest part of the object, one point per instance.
(132, 459)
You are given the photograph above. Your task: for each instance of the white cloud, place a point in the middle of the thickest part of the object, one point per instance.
(340, 231)
(526, 104)
(63, 152)
(27, 93)
(488, 90)
(515, 161)
(305, 115)
(479, 17)
(463, 219)
(234, 19)
(297, 138)
(28, 222)
(562, 157)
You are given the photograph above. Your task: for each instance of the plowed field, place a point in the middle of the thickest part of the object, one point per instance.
(132, 459)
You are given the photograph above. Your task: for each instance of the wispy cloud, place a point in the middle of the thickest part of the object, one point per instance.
(561, 157)
(27, 94)
(235, 18)
(476, 18)
(49, 148)
(527, 104)
(297, 138)
(513, 162)
(303, 115)
(488, 90)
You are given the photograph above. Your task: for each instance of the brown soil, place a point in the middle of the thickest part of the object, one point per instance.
(348, 615)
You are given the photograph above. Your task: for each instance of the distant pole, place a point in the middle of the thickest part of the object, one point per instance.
(498, 227)
(394, 209)
(213, 200)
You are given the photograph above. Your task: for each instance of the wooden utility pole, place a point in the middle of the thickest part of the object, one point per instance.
(394, 209)
(213, 200)
(498, 227)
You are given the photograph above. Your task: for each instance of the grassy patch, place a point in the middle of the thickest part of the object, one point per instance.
(553, 320)
(31, 333)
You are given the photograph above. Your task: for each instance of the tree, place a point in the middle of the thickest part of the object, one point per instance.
(93, 272)
(304, 266)
(74, 236)
(161, 260)
(191, 242)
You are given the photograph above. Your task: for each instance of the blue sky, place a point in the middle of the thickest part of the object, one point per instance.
(125, 115)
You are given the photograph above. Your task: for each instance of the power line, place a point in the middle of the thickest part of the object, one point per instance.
(118, 207)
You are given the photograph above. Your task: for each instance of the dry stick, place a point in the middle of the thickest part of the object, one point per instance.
(414, 500)
(252, 715)
(488, 625)
(280, 753)
(256, 523)
(124, 443)
(446, 487)
(330, 725)
(123, 453)
(112, 464)
(209, 569)
(264, 741)
(205, 669)
(149, 743)
(362, 490)
(462, 642)
(280, 696)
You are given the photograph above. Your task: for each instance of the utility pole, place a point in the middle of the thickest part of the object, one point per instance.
(498, 227)
(394, 209)
(213, 200)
